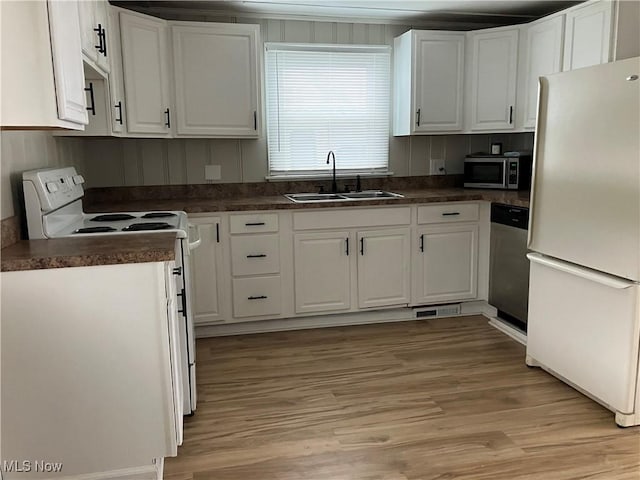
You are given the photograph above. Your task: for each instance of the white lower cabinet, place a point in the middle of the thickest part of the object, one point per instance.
(384, 268)
(446, 263)
(257, 296)
(206, 261)
(267, 265)
(322, 271)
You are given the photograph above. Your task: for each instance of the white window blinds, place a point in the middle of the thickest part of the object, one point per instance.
(327, 97)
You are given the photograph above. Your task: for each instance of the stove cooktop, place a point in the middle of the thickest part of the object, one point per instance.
(120, 223)
(137, 227)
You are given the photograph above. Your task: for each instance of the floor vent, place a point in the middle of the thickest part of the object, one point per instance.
(438, 311)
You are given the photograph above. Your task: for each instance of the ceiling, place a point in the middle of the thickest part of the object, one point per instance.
(463, 14)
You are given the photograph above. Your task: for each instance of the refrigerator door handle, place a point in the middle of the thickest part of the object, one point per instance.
(598, 277)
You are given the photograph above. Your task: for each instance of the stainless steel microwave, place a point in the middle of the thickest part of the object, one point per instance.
(493, 171)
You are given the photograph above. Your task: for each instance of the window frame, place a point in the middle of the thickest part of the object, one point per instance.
(340, 172)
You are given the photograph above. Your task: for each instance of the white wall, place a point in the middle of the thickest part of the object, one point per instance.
(27, 150)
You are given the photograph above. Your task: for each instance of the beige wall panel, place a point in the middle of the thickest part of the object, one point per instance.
(254, 159)
(176, 162)
(153, 156)
(196, 156)
(456, 148)
(296, 31)
(324, 32)
(226, 153)
(419, 155)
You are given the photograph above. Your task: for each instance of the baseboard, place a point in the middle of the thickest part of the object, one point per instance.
(336, 320)
(508, 330)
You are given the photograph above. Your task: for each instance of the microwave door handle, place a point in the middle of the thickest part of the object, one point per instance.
(505, 173)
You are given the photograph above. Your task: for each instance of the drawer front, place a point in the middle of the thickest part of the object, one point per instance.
(255, 254)
(352, 218)
(254, 223)
(449, 212)
(257, 296)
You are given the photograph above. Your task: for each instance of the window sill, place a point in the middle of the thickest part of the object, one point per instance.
(311, 177)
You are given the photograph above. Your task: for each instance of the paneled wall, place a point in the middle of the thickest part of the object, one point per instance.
(119, 162)
(128, 162)
(27, 150)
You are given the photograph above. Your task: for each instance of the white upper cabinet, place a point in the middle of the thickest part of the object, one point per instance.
(588, 35)
(542, 56)
(41, 73)
(146, 74)
(116, 80)
(216, 79)
(93, 33)
(493, 75)
(428, 82)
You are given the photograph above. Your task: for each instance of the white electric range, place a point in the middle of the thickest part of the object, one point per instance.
(53, 204)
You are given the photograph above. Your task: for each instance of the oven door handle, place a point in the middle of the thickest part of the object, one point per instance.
(196, 243)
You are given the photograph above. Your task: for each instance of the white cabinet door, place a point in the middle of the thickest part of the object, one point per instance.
(64, 28)
(93, 32)
(116, 80)
(438, 82)
(216, 79)
(205, 273)
(446, 263)
(146, 74)
(543, 57)
(493, 79)
(88, 36)
(588, 35)
(322, 271)
(384, 266)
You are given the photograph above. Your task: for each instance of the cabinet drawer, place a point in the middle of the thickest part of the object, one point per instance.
(257, 296)
(450, 212)
(255, 254)
(254, 223)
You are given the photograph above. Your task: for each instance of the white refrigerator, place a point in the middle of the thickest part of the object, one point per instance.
(584, 234)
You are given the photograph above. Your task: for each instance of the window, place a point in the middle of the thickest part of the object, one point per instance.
(327, 97)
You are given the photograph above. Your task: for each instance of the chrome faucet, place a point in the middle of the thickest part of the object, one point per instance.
(334, 185)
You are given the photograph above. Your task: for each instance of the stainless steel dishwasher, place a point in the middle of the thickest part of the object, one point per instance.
(509, 269)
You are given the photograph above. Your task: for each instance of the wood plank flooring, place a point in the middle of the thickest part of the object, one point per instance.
(425, 400)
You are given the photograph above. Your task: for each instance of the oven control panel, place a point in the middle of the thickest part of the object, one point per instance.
(52, 188)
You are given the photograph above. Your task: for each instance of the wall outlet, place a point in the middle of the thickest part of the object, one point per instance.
(437, 167)
(212, 172)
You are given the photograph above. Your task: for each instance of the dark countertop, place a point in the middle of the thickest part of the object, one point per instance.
(88, 251)
(159, 247)
(279, 202)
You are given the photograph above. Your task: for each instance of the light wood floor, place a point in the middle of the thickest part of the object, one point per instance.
(436, 399)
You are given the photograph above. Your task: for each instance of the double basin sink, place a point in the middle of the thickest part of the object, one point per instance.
(341, 197)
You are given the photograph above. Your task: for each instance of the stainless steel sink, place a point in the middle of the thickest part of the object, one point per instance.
(371, 194)
(340, 197)
(314, 197)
